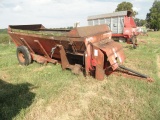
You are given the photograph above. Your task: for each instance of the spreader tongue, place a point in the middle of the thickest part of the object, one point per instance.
(136, 73)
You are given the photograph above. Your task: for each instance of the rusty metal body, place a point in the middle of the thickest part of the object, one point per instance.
(90, 48)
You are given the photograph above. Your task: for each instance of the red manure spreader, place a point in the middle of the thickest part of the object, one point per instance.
(82, 49)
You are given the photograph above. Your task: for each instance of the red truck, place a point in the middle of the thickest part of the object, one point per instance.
(121, 24)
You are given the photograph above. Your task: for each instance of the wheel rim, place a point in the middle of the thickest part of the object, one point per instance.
(21, 57)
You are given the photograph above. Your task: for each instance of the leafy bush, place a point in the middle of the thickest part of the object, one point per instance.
(4, 37)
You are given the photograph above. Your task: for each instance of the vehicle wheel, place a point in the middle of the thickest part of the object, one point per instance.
(134, 42)
(23, 55)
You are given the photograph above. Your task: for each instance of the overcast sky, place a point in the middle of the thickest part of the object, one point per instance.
(61, 13)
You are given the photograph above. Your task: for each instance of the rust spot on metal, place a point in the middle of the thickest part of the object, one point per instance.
(21, 57)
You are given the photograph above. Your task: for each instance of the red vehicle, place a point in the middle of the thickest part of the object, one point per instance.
(83, 48)
(121, 24)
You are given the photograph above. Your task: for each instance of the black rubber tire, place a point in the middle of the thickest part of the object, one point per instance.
(23, 55)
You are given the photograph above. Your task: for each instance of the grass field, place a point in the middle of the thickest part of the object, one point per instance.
(4, 38)
(39, 92)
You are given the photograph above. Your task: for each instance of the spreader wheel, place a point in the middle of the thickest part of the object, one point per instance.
(23, 55)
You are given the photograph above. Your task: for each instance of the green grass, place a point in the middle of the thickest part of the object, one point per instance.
(14, 77)
(47, 92)
(3, 31)
(4, 37)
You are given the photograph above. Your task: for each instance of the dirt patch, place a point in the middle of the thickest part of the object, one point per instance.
(4, 76)
(41, 68)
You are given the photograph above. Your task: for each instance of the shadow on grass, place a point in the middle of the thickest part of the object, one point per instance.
(14, 98)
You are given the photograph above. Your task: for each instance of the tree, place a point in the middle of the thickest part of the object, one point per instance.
(126, 6)
(140, 22)
(153, 18)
